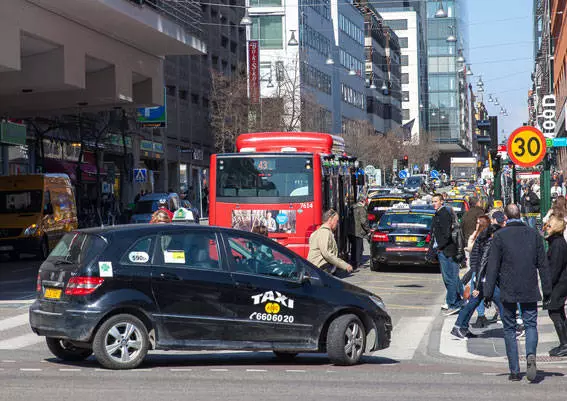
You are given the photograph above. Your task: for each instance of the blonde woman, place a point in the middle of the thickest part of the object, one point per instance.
(160, 216)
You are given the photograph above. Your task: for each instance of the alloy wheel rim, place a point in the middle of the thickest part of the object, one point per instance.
(354, 341)
(123, 342)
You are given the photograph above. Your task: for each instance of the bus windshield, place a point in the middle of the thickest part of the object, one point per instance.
(280, 178)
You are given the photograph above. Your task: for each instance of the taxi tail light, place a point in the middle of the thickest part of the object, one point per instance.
(378, 236)
(83, 285)
(38, 284)
(371, 217)
(428, 238)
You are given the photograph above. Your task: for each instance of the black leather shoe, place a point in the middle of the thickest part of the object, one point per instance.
(514, 377)
(562, 351)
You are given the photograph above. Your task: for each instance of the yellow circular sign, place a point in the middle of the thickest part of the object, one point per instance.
(526, 146)
(272, 308)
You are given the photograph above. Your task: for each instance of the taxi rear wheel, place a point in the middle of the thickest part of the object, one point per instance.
(346, 340)
(66, 351)
(121, 342)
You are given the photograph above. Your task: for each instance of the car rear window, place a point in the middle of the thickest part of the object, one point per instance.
(388, 202)
(77, 249)
(146, 207)
(405, 220)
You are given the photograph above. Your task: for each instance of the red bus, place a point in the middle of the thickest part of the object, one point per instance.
(284, 181)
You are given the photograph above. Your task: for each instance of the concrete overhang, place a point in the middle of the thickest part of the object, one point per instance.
(139, 26)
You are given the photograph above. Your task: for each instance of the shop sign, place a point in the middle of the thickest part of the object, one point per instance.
(548, 115)
(146, 146)
(153, 117)
(116, 140)
(158, 147)
(254, 70)
(12, 133)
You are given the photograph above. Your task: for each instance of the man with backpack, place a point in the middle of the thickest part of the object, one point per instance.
(448, 243)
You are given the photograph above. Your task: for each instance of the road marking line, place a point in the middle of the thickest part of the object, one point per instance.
(451, 373)
(490, 374)
(31, 369)
(295, 370)
(17, 301)
(180, 370)
(331, 371)
(406, 336)
(14, 321)
(69, 369)
(8, 361)
(256, 370)
(218, 370)
(21, 341)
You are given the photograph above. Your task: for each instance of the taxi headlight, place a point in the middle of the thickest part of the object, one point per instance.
(378, 302)
(31, 230)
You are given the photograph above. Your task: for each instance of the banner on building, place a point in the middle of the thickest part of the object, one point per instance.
(153, 117)
(254, 71)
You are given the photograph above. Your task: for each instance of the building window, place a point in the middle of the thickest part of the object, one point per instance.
(183, 94)
(265, 3)
(194, 98)
(311, 38)
(269, 31)
(224, 41)
(322, 7)
(315, 78)
(405, 78)
(350, 62)
(403, 43)
(405, 61)
(170, 90)
(353, 97)
(397, 24)
(405, 114)
(405, 96)
(351, 29)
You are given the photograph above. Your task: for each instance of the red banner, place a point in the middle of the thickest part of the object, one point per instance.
(254, 71)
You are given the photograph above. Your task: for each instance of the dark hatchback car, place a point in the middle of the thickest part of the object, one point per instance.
(379, 204)
(119, 292)
(402, 237)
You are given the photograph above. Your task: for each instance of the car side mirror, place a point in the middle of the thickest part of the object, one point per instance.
(305, 277)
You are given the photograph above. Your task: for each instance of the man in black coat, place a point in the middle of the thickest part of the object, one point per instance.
(441, 228)
(515, 257)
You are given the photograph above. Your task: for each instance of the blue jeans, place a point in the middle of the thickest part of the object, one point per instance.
(529, 315)
(480, 309)
(450, 273)
(465, 315)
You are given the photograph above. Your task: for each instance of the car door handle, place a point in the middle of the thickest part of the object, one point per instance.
(170, 276)
(248, 286)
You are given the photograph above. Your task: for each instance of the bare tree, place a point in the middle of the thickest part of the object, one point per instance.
(422, 150)
(229, 109)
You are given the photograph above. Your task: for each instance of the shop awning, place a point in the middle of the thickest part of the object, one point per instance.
(70, 168)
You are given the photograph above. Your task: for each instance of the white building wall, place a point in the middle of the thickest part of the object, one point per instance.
(416, 76)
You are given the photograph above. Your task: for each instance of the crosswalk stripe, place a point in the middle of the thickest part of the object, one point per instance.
(406, 336)
(14, 321)
(21, 341)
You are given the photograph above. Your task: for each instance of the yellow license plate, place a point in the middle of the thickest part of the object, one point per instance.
(406, 239)
(52, 293)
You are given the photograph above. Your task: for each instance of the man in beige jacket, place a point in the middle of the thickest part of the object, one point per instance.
(323, 250)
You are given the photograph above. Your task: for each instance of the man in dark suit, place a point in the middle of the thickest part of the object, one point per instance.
(516, 256)
(441, 228)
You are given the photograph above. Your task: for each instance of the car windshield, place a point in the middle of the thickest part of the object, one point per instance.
(405, 220)
(76, 248)
(250, 177)
(20, 201)
(146, 207)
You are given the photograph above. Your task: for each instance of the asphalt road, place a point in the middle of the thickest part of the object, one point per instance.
(416, 367)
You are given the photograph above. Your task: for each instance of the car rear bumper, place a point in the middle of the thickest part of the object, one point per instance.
(20, 245)
(402, 257)
(72, 324)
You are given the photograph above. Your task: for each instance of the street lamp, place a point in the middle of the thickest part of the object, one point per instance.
(469, 71)
(480, 83)
(384, 87)
(496, 103)
(490, 100)
(246, 20)
(460, 59)
(372, 85)
(451, 38)
(440, 13)
(292, 40)
(329, 61)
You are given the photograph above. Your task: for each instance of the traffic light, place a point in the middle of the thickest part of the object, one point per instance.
(405, 161)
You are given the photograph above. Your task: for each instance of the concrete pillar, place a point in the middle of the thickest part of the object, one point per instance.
(10, 56)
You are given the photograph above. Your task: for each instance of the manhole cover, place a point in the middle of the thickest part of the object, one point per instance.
(543, 358)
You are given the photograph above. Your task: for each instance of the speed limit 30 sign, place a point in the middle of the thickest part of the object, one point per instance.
(526, 146)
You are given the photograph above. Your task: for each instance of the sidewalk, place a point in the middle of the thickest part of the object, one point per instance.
(489, 345)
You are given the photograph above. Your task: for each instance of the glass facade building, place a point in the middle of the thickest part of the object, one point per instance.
(447, 80)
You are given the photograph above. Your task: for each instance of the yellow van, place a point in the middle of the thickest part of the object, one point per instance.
(35, 211)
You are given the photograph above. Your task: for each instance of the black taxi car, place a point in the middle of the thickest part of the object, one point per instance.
(121, 291)
(377, 205)
(402, 237)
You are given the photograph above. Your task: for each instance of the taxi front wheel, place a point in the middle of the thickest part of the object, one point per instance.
(346, 340)
(121, 342)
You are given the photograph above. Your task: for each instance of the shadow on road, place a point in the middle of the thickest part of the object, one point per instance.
(229, 359)
(541, 376)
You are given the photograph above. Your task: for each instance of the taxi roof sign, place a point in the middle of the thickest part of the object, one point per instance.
(526, 146)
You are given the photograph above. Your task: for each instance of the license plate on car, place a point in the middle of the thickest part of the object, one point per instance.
(52, 293)
(406, 239)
